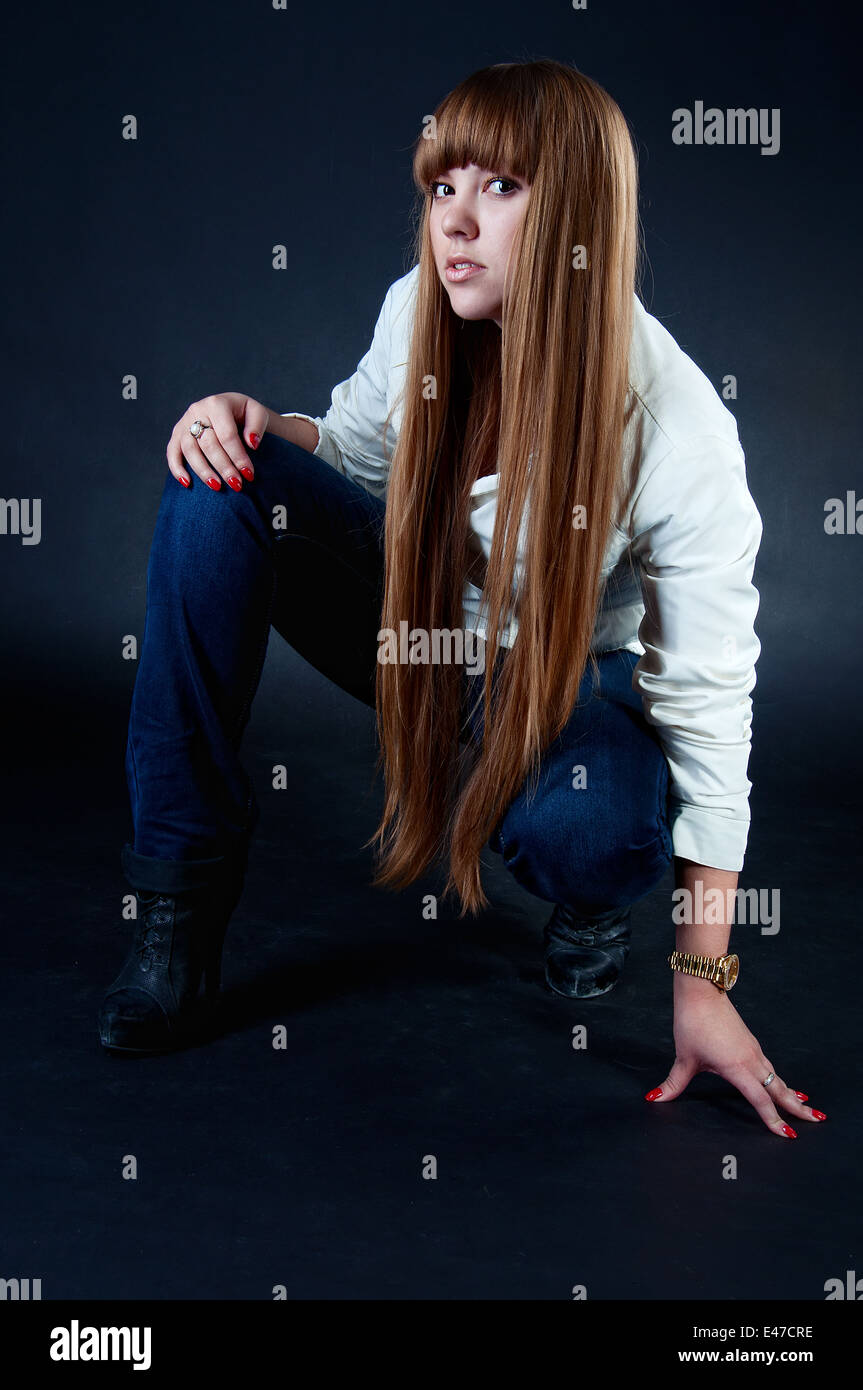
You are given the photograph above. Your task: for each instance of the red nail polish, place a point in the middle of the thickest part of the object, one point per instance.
(652, 1095)
(235, 484)
(786, 1129)
(214, 484)
(800, 1095)
(184, 481)
(254, 440)
(246, 472)
(819, 1114)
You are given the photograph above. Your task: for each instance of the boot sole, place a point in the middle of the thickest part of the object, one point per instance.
(201, 1025)
(581, 994)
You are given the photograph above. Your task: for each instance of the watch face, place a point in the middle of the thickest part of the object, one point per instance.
(730, 969)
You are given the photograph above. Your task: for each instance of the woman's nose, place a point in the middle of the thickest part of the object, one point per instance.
(457, 221)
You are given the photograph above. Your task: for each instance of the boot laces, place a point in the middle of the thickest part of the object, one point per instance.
(156, 915)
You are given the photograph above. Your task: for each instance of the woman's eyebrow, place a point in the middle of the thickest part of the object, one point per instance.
(460, 170)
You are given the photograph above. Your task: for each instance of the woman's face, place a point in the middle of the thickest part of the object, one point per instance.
(475, 214)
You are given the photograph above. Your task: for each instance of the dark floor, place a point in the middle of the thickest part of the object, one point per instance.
(407, 1038)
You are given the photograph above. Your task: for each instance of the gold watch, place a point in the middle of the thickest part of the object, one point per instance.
(722, 971)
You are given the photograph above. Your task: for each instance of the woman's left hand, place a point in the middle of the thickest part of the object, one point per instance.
(710, 1035)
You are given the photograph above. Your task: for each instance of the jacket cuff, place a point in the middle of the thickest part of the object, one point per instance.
(717, 842)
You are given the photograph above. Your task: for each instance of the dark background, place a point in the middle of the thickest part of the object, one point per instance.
(407, 1037)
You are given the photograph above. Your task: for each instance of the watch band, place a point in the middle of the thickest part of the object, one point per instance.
(712, 968)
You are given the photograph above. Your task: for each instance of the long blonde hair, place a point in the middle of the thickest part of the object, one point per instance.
(542, 401)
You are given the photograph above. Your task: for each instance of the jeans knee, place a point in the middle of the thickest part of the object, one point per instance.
(188, 508)
(590, 866)
(199, 529)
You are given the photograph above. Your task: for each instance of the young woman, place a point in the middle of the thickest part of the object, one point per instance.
(524, 458)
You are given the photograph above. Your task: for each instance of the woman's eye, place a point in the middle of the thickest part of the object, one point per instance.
(499, 178)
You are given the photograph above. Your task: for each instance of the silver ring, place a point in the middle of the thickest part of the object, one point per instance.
(197, 429)
(771, 1077)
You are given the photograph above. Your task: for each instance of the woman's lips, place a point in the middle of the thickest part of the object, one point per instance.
(456, 274)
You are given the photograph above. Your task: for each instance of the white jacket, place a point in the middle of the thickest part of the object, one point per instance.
(679, 567)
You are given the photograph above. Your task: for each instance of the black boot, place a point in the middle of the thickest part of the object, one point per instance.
(183, 909)
(584, 958)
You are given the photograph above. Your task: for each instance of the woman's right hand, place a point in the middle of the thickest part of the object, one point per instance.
(219, 452)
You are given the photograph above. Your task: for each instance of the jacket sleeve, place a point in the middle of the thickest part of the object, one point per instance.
(696, 532)
(350, 434)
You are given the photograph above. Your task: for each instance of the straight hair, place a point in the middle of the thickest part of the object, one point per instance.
(544, 402)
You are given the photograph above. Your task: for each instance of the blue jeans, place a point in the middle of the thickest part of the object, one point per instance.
(221, 575)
